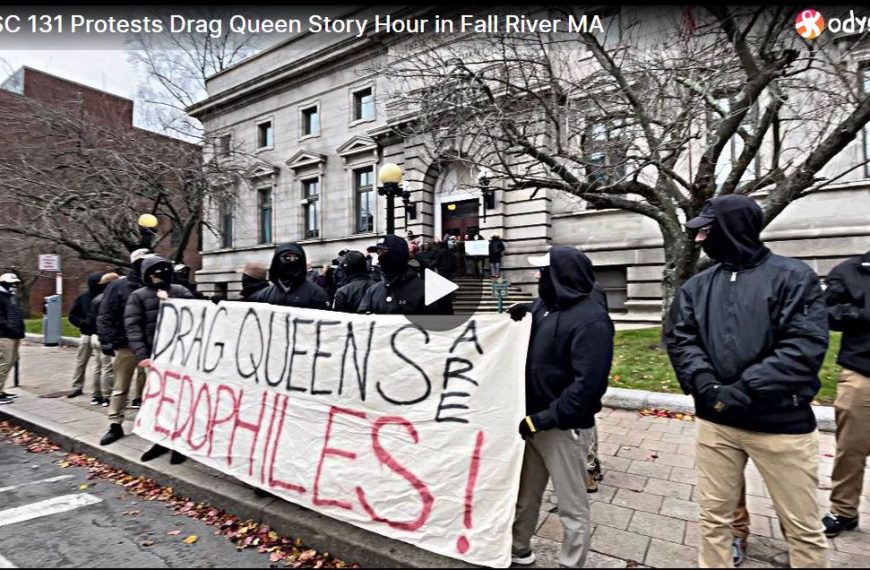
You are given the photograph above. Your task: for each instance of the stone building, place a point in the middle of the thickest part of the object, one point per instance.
(311, 111)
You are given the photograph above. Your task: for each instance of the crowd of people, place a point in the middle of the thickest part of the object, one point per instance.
(746, 338)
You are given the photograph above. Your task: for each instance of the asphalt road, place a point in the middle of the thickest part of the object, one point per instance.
(48, 521)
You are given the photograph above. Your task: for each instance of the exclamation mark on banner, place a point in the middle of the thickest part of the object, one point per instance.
(462, 544)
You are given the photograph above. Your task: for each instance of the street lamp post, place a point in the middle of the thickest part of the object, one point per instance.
(147, 223)
(484, 179)
(389, 176)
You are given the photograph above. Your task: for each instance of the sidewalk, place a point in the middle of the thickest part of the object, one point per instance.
(644, 513)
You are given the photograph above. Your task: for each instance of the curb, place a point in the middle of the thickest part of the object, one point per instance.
(626, 399)
(202, 484)
(39, 338)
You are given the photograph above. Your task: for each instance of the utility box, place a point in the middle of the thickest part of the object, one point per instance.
(51, 320)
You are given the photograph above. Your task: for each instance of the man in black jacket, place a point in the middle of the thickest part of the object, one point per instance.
(496, 251)
(747, 338)
(290, 287)
(140, 322)
(78, 316)
(568, 364)
(848, 299)
(400, 291)
(357, 282)
(255, 278)
(104, 381)
(113, 341)
(11, 330)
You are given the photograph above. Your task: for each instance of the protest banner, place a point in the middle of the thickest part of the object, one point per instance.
(373, 420)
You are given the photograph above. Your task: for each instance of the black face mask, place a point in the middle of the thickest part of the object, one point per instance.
(290, 271)
(717, 246)
(547, 289)
(165, 276)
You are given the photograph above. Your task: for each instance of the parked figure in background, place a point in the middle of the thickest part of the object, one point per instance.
(11, 331)
(569, 358)
(357, 282)
(140, 322)
(289, 286)
(848, 300)
(496, 251)
(254, 279)
(182, 277)
(114, 342)
(747, 338)
(105, 381)
(78, 316)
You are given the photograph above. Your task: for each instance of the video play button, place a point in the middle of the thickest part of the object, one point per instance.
(437, 287)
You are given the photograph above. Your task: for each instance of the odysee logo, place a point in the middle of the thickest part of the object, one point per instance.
(809, 24)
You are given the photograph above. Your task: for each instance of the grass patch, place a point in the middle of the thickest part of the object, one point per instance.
(640, 363)
(67, 329)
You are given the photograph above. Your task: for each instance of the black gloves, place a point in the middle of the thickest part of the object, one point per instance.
(518, 311)
(527, 428)
(727, 398)
(108, 351)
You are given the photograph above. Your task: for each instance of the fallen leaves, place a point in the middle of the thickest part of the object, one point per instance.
(659, 413)
(244, 534)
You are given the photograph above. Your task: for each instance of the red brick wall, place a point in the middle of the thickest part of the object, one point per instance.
(96, 104)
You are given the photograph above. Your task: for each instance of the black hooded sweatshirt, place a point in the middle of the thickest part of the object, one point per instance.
(848, 299)
(143, 306)
(110, 319)
(755, 318)
(357, 282)
(401, 291)
(296, 290)
(571, 349)
(81, 309)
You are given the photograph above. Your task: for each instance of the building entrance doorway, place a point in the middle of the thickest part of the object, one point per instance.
(460, 218)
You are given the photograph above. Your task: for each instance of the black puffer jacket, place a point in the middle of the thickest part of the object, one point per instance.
(81, 309)
(297, 291)
(110, 319)
(571, 349)
(11, 317)
(401, 291)
(758, 319)
(350, 295)
(848, 299)
(143, 306)
(95, 311)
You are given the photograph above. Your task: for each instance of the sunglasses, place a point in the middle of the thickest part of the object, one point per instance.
(705, 231)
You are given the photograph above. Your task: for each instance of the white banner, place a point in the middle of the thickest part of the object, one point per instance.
(374, 420)
(477, 248)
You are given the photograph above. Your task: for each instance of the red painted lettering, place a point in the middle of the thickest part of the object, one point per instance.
(333, 452)
(252, 427)
(215, 421)
(274, 481)
(194, 413)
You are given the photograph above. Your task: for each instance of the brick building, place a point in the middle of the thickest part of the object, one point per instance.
(97, 106)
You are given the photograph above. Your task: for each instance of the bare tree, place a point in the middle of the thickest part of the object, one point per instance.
(654, 113)
(177, 66)
(81, 183)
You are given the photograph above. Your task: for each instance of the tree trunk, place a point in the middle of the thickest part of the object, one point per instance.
(681, 256)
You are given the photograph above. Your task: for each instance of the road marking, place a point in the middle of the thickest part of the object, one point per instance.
(51, 480)
(5, 563)
(46, 508)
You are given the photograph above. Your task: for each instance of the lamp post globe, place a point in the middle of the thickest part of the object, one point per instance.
(148, 221)
(389, 176)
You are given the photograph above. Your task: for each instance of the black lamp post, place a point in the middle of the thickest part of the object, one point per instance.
(488, 193)
(389, 177)
(147, 223)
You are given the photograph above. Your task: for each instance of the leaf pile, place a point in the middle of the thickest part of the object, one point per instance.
(655, 412)
(244, 534)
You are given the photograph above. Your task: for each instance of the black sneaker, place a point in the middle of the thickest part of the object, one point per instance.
(738, 550)
(105, 402)
(75, 393)
(115, 433)
(7, 395)
(96, 400)
(136, 403)
(5, 400)
(154, 452)
(176, 458)
(523, 559)
(835, 524)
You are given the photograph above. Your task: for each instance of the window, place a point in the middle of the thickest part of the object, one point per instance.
(364, 190)
(311, 193)
(226, 221)
(865, 88)
(363, 105)
(222, 145)
(264, 199)
(310, 121)
(605, 148)
(264, 134)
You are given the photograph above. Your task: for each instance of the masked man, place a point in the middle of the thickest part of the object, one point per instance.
(290, 286)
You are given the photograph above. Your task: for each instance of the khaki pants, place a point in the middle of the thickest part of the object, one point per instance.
(8, 358)
(104, 374)
(125, 367)
(560, 454)
(139, 384)
(82, 358)
(789, 465)
(852, 409)
(740, 526)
